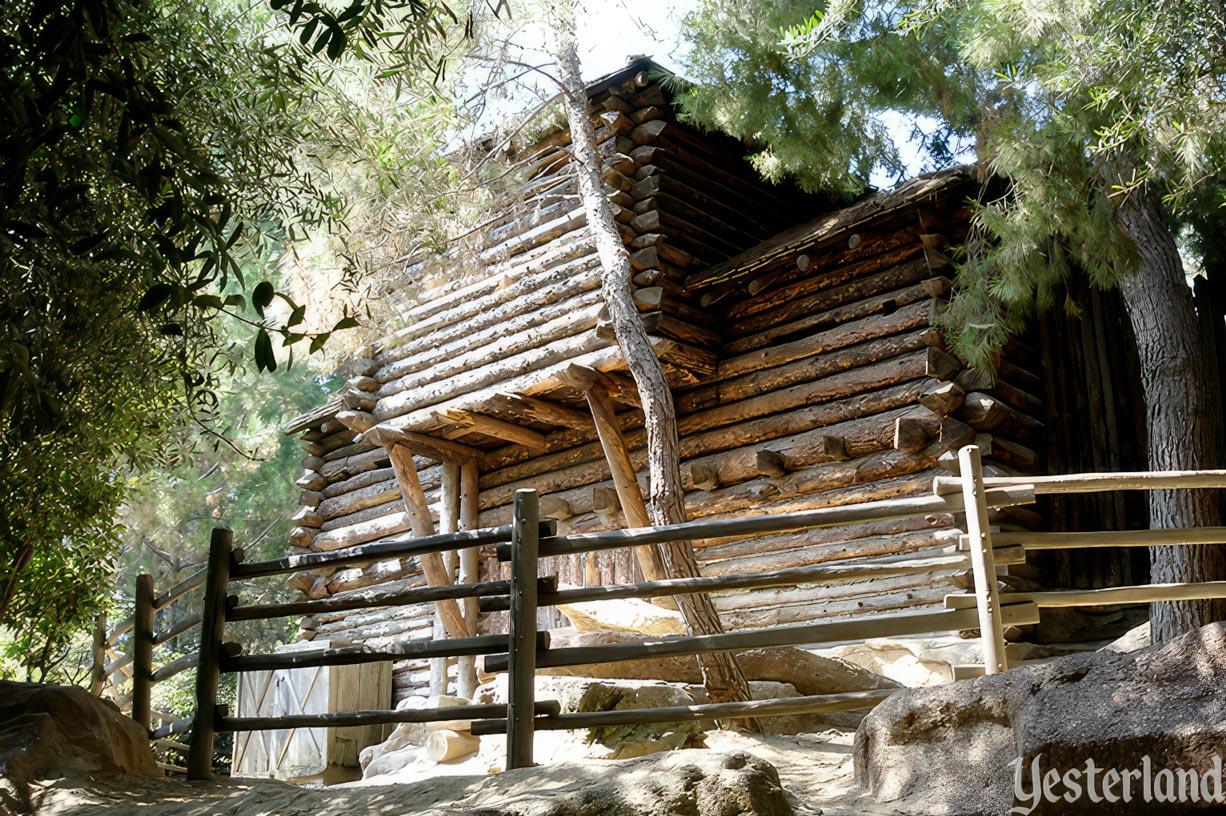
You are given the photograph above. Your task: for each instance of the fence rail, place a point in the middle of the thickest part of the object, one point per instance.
(523, 649)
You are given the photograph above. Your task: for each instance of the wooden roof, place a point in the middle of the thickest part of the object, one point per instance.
(824, 228)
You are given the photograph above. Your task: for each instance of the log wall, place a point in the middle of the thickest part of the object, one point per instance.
(805, 367)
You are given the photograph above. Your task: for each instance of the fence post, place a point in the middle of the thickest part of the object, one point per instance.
(142, 650)
(521, 667)
(983, 566)
(212, 631)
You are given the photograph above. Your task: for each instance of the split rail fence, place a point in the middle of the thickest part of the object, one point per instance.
(524, 650)
(131, 674)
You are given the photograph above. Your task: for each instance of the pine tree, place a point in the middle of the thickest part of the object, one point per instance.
(1106, 117)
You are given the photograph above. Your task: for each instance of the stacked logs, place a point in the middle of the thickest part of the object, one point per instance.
(807, 373)
(832, 387)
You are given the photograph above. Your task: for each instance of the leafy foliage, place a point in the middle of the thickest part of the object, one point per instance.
(152, 158)
(1113, 100)
(817, 89)
(1078, 105)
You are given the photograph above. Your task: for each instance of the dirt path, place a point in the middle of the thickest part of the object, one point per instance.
(815, 770)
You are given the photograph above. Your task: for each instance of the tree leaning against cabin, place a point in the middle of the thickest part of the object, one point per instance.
(721, 674)
(804, 366)
(1101, 145)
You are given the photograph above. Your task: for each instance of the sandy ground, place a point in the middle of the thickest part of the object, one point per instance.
(815, 770)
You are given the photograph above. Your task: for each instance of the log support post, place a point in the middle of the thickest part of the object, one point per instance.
(432, 565)
(983, 567)
(521, 668)
(142, 651)
(455, 513)
(469, 508)
(208, 671)
(622, 468)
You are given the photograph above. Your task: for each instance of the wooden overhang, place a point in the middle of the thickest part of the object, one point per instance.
(768, 263)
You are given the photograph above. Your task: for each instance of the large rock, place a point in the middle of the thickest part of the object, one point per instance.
(623, 615)
(1133, 640)
(579, 694)
(684, 783)
(808, 673)
(930, 661)
(64, 732)
(954, 749)
(792, 723)
(405, 746)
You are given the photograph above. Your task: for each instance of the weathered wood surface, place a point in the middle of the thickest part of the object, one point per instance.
(806, 374)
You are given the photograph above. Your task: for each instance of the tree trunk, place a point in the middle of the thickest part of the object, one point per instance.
(721, 674)
(12, 576)
(1183, 413)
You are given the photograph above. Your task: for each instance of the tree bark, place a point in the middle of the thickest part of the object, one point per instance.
(1183, 413)
(721, 674)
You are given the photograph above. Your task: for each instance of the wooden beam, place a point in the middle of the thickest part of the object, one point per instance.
(449, 522)
(1107, 596)
(1112, 538)
(532, 409)
(794, 576)
(343, 719)
(583, 378)
(987, 599)
(432, 448)
(787, 706)
(353, 655)
(356, 420)
(470, 422)
(1096, 482)
(418, 509)
(889, 624)
(212, 631)
(624, 480)
(142, 651)
(466, 682)
(521, 645)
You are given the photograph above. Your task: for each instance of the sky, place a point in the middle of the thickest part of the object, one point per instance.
(610, 33)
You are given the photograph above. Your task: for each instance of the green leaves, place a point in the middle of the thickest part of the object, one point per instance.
(265, 360)
(262, 296)
(156, 296)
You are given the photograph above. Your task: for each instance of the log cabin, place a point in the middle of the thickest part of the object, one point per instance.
(798, 337)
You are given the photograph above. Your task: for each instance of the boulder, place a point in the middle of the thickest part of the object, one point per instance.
(809, 673)
(691, 783)
(912, 662)
(64, 732)
(930, 661)
(405, 746)
(956, 749)
(623, 615)
(792, 723)
(605, 742)
(1133, 640)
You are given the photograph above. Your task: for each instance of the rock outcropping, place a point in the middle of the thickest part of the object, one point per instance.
(63, 732)
(956, 749)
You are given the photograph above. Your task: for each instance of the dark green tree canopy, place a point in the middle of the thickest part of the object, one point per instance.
(823, 91)
(155, 159)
